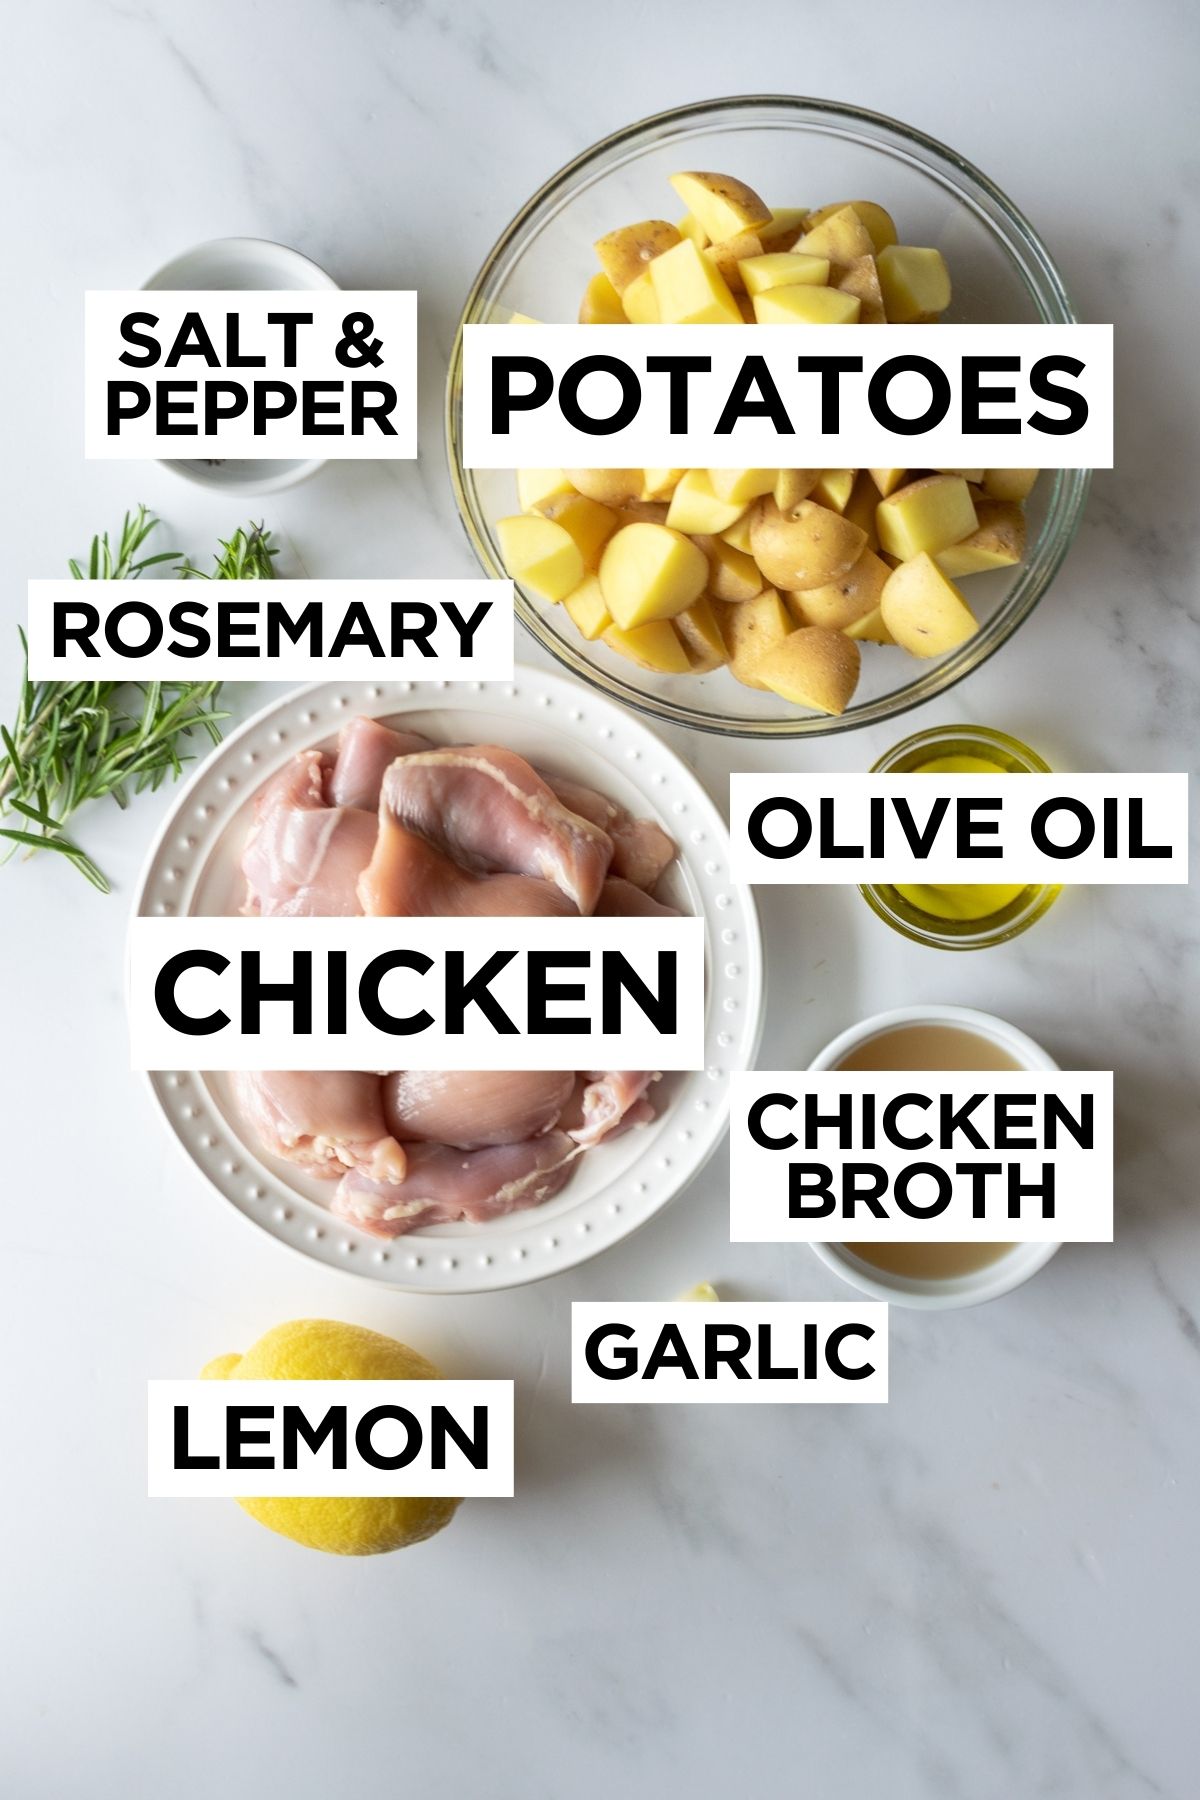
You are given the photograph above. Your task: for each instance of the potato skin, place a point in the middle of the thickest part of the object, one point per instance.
(806, 548)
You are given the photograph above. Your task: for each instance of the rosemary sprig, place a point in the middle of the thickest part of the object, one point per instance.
(76, 741)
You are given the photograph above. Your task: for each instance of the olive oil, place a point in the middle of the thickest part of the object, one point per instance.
(964, 900)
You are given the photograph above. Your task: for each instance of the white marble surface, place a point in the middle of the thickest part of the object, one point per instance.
(987, 1590)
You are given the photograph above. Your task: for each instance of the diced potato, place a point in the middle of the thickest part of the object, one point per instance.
(700, 633)
(751, 628)
(784, 268)
(840, 603)
(695, 507)
(812, 667)
(861, 278)
(783, 228)
(860, 508)
(742, 485)
(926, 515)
(640, 302)
(628, 252)
(601, 303)
(654, 646)
(689, 289)
(589, 523)
(806, 306)
(587, 610)
(915, 282)
(1009, 484)
(973, 476)
(924, 611)
(793, 486)
(870, 628)
(877, 220)
(536, 486)
(997, 542)
(644, 512)
(649, 572)
(840, 235)
(739, 534)
(834, 488)
(690, 227)
(887, 480)
(745, 306)
(732, 574)
(723, 205)
(660, 484)
(611, 487)
(729, 256)
(805, 548)
(541, 555)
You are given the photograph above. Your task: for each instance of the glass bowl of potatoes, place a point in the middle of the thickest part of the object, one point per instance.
(781, 602)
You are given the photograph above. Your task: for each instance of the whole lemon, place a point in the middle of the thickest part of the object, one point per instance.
(323, 1350)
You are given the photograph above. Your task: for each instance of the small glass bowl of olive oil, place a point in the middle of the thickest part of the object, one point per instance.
(965, 916)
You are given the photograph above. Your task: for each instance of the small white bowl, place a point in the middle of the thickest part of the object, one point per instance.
(1016, 1265)
(242, 263)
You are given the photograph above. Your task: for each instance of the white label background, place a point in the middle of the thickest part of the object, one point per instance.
(1164, 821)
(492, 642)
(209, 1401)
(542, 436)
(155, 1045)
(787, 1320)
(394, 318)
(758, 1178)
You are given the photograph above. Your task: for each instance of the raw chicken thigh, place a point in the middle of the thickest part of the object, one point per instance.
(396, 827)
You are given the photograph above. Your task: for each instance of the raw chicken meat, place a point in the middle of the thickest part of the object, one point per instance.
(606, 1103)
(366, 749)
(395, 827)
(488, 810)
(621, 900)
(642, 850)
(324, 1121)
(303, 857)
(471, 1109)
(444, 1186)
(410, 879)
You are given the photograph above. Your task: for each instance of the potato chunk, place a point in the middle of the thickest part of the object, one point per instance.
(793, 486)
(690, 290)
(812, 667)
(805, 548)
(732, 574)
(878, 222)
(654, 646)
(997, 542)
(750, 629)
(915, 283)
(1009, 484)
(588, 522)
(924, 611)
(834, 488)
(841, 236)
(806, 306)
(887, 480)
(700, 633)
(541, 555)
(586, 609)
(786, 268)
(742, 485)
(926, 515)
(696, 507)
(729, 256)
(537, 486)
(611, 487)
(601, 303)
(842, 603)
(660, 484)
(861, 278)
(721, 204)
(639, 302)
(783, 228)
(650, 572)
(628, 252)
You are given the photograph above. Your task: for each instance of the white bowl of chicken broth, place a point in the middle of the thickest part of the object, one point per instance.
(928, 1275)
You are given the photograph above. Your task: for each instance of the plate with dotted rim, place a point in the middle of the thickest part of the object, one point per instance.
(193, 869)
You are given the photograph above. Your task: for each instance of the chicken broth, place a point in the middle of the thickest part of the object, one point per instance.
(919, 1047)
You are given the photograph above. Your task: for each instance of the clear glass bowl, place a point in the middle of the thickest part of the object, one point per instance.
(795, 152)
(1004, 752)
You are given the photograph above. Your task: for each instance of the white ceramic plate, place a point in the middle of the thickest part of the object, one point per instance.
(563, 727)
